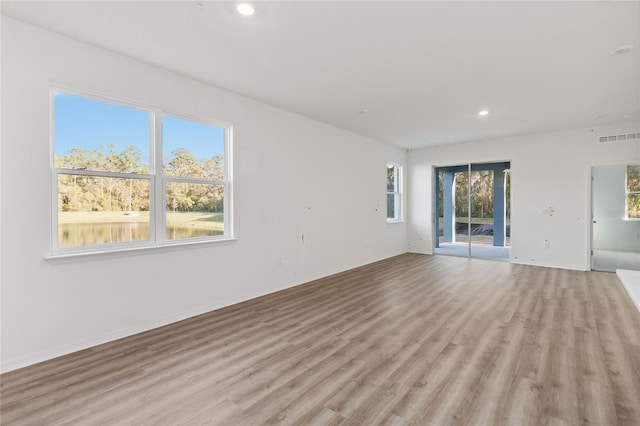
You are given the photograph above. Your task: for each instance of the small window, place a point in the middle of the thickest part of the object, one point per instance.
(111, 193)
(632, 192)
(394, 192)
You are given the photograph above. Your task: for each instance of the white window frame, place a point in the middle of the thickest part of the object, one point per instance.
(627, 193)
(157, 182)
(397, 194)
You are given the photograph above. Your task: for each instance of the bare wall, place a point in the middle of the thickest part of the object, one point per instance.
(547, 170)
(292, 176)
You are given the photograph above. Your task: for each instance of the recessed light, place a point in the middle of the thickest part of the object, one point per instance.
(245, 9)
(629, 115)
(483, 112)
(622, 49)
(363, 111)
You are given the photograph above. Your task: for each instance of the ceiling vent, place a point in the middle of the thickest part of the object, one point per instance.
(616, 138)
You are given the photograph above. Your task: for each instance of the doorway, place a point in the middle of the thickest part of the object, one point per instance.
(615, 211)
(473, 210)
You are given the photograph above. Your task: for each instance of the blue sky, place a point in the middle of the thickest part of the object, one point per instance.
(203, 141)
(87, 124)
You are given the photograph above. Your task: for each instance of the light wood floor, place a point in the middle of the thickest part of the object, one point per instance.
(410, 340)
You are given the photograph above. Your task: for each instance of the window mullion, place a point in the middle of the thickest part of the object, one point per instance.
(83, 172)
(54, 209)
(193, 180)
(159, 201)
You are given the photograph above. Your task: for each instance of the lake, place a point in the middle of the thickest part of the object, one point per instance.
(81, 234)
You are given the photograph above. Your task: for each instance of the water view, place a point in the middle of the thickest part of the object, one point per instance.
(80, 234)
(89, 228)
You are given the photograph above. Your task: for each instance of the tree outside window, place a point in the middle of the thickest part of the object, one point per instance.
(632, 192)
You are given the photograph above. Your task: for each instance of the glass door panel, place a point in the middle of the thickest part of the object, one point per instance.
(481, 223)
(440, 223)
(507, 208)
(472, 210)
(461, 213)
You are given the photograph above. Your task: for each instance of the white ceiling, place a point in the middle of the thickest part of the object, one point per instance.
(422, 70)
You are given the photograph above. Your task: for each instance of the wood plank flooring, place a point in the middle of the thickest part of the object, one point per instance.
(428, 340)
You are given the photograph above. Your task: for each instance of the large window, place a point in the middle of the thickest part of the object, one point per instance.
(632, 192)
(394, 192)
(126, 176)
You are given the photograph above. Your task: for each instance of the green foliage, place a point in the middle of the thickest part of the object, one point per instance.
(461, 197)
(95, 193)
(391, 178)
(182, 196)
(633, 190)
(633, 178)
(481, 194)
(633, 206)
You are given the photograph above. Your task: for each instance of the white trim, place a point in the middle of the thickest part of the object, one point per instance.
(469, 236)
(545, 265)
(102, 252)
(156, 198)
(590, 210)
(627, 277)
(179, 179)
(119, 175)
(589, 219)
(434, 195)
(97, 96)
(56, 86)
(53, 180)
(110, 336)
(228, 177)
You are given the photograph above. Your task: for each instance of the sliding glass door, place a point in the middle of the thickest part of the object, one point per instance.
(472, 210)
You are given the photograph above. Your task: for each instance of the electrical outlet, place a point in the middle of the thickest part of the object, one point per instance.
(546, 244)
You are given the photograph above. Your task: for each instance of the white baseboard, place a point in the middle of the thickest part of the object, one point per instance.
(545, 265)
(107, 337)
(631, 282)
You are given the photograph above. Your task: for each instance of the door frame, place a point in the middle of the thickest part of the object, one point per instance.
(434, 199)
(589, 216)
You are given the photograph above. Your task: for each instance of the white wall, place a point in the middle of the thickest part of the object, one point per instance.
(631, 282)
(612, 231)
(547, 170)
(293, 176)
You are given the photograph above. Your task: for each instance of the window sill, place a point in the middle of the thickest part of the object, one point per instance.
(395, 221)
(62, 257)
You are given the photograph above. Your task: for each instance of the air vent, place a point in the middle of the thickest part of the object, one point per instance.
(616, 138)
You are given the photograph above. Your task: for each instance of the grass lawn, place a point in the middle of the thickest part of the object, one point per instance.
(201, 220)
(101, 217)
